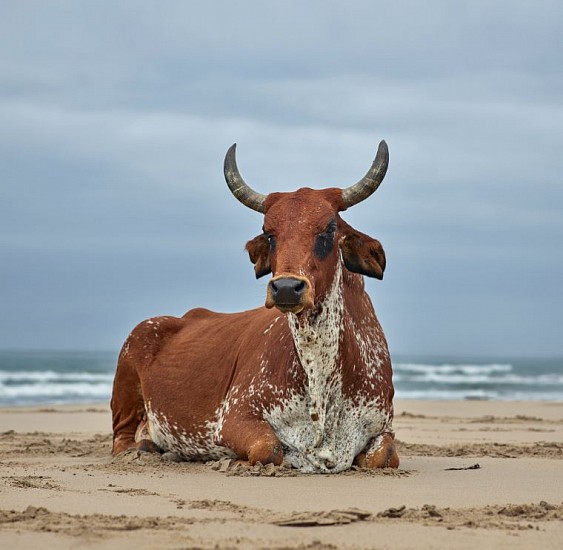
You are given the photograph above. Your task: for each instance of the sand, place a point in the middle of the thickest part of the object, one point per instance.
(474, 474)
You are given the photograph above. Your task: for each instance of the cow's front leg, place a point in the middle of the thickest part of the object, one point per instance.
(380, 453)
(253, 440)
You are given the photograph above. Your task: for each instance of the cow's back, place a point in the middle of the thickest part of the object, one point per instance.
(191, 373)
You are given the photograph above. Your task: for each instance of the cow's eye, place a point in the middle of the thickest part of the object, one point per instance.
(325, 241)
(271, 241)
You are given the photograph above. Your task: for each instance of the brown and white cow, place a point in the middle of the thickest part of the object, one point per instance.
(305, 380)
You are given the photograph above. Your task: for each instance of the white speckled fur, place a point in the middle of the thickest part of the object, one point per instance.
(317, 341)
(343, 428)
(173, 438)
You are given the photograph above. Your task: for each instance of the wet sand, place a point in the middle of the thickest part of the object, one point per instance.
(473, 474)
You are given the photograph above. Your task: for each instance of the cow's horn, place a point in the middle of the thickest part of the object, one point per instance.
(370, 182)
(238, 187)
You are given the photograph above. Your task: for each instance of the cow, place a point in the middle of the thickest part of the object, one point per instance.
(305, 380)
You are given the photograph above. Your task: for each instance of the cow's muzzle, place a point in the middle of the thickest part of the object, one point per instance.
(290, 294)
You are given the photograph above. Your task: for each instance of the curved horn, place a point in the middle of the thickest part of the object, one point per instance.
(238, 187)
(370, 182)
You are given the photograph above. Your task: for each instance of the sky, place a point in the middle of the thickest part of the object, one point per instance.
(115, 118)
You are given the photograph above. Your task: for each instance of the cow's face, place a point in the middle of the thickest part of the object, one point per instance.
(302, 241)
(304, 237)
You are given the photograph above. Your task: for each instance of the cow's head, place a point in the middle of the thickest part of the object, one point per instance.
(303, 236)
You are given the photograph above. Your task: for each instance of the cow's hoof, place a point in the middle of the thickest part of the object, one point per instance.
(148, 446)
(266, 452)
(142, 445)
(170, 456)
(384, 455)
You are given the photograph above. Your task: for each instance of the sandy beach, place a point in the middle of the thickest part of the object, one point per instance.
(473, 474)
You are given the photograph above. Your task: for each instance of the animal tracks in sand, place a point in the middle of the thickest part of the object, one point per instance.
(542, 449)
(129, 491)
(509, 517)
(31, 482)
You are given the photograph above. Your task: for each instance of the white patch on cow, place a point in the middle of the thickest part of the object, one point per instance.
(317, 341)
(349, 427)
(125, 349)
(272, 324)
(199, 444)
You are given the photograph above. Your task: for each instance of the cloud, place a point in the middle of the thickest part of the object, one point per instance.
(114, 120)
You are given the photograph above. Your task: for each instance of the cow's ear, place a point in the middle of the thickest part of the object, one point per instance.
(362, 254)
(259, 251)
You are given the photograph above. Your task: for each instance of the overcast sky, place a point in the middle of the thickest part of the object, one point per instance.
(115, 118)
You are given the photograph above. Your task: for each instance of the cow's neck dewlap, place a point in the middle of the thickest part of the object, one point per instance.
(317, 340)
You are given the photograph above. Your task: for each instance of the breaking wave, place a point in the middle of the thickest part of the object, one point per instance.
(38, 378)
(37, 387)
(538, 379)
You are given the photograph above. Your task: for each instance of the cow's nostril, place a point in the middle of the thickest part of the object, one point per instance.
(287, 291)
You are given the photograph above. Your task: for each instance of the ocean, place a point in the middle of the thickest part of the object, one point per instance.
(56, 377)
